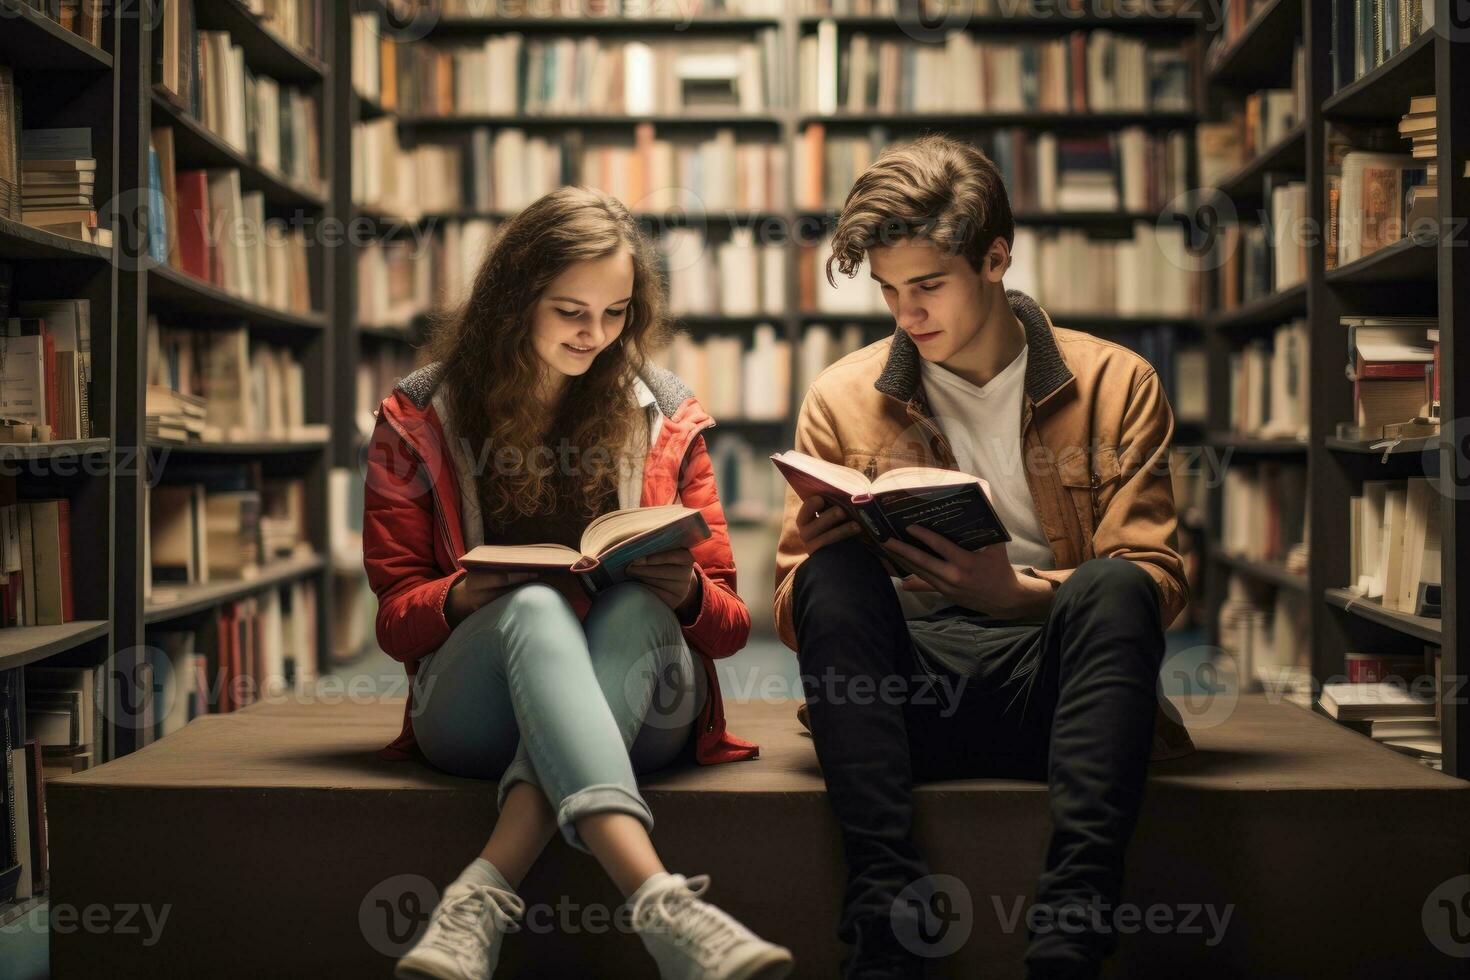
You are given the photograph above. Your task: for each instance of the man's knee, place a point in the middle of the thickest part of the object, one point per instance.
(1109, 580)
(837, 571)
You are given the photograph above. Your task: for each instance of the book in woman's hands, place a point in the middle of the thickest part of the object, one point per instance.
(608, 544)
(954, 505)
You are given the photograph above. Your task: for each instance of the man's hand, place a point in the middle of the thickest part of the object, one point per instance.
(983, 580)
(671, 576)
(820, 524)
(476, 589)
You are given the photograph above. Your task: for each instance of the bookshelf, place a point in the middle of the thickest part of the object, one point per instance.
(147, 288)
(1414, 275)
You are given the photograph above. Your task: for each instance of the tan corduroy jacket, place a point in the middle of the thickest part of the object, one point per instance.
(1095, 432)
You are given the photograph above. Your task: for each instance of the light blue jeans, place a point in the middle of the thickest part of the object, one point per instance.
(523, 691)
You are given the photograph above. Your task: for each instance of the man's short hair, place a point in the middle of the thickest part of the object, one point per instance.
(936, 188)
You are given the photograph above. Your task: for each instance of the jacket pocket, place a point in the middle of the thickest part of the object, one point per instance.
(1090, 480)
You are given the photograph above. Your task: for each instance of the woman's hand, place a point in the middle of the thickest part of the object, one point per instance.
(476, 589)
(671, 576)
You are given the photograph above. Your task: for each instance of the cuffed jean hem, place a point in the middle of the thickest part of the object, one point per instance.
(605, 798)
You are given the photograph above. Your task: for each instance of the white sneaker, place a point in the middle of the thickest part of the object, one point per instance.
(464, 935)
(691, 939)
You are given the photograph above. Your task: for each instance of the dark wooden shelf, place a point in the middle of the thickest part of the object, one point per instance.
(370, 108)
(1382, 95)
(266, 52)
(1261, 56)
(29, 40)
(1408, 260)
(1419, 627)
(600, 24)
(727, 321)
(388, 331)
(271, 447)
(197, 147)
(197, 598)
(19, 242)
(1060, 23)
(55, 449)
(1405, 447)
(182, 293)
(1286, 155)
(1030, 120)
(1086, 219)
(1270, 572)
(1264, 311)
(1257, 447)
(591, 119)
(21, 645)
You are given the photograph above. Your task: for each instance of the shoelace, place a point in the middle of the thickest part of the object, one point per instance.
(678, 910)
(467, 911)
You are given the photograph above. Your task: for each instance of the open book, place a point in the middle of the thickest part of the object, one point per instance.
(952, 504)
(609, 543)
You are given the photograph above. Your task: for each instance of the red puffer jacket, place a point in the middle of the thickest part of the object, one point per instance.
(412, 539)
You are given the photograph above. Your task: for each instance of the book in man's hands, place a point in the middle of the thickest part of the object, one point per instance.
(954, 505)
(608, 544)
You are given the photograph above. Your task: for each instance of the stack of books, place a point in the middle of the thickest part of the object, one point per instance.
(1391, 363)
(1420, 128)
(58, 176)
(173, 416)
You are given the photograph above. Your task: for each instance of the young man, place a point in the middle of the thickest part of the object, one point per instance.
(1033, 659)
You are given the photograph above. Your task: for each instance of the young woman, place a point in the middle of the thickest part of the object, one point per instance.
(538, 413)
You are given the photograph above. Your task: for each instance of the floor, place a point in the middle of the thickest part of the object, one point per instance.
(763, 670)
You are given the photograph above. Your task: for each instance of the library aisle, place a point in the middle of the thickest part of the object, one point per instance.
(230, 228)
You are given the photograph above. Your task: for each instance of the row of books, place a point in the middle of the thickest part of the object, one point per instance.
(394, 282)
(1393, 363)
(1086, 71)
(1066, 270)
(45, 369)
(1269, 387)
(1395, 550)
(1131, 169)
(1263, 119)
(1267, 636)
(1244, 262)
(35, 560)
(507, 74)
(259, 647)
(736, 377)
(735, 277)
(1370, 32)
(218, 233)
(959, 9)
(210, 524)
(507, 168)
(1370, 196)
(48, 728)
(609, 9)
(221, 385)
(179, 56)
(389, 177)
(374, 55)
(1264, 511)
(205, 73)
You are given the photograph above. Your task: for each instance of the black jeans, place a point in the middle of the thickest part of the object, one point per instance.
(1071, 700)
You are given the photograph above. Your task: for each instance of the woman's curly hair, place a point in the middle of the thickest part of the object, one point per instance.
(492, 372)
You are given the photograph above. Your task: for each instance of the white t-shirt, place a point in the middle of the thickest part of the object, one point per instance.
(983, 426)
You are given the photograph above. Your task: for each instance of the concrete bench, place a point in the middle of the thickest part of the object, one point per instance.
(277, 845)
